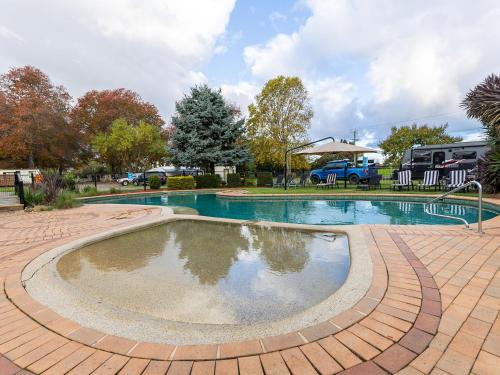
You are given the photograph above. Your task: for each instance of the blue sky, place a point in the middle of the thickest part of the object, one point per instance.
(252, 22)
(367, 65)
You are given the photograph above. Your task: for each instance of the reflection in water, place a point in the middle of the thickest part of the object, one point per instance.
(206, 272)
(136, 249)
(284, 251)
(210, 256)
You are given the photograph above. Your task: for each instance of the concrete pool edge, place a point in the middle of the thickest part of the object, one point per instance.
(351, 292)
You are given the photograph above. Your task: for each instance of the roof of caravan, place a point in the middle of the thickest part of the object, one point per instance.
(454, 145)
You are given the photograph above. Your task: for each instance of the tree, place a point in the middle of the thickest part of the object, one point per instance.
(483, 104)
(96, 110)
(278, 120)
(34, 121)
(207, 131)
(405, 137)
(126, 146)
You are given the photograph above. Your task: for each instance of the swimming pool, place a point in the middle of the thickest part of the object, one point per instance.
(322, 211)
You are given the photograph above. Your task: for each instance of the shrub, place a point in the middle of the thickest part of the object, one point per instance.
(233, 180)
(250, 182)
(114, 190)
(264, 179)
(180, 183)
(35, 197)
(90, 190)
(52, 183)
(154, 182)
(207, 181)
(70, 181)
(489, 170)
(66, 199)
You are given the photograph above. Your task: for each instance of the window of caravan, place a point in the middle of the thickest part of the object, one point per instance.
(457, 155)
(421, 156)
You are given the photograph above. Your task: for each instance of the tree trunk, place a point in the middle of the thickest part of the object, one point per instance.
(31, 161)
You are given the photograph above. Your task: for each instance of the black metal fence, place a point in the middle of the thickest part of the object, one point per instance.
(388, 175)
(11, 186)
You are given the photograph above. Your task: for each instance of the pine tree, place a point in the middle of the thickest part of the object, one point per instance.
(207, 131)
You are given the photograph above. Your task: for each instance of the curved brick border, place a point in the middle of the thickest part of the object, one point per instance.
(385, 331)
(119, 345)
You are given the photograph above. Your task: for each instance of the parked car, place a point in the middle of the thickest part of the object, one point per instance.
(139, 179)
(354, 174)
(129, 179)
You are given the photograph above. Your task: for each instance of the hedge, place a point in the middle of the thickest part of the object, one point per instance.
(264, 179)
(180, 183)
(250, 182)
(207, 181)
(154, 182)
(233, 180)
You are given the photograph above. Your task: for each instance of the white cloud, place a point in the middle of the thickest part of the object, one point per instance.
(157, 48)
(276, 57)
(474, 136)
(331, 94)
(402, 59)
(276, 17)
(242, 93)
(367, 139)
(7, 33)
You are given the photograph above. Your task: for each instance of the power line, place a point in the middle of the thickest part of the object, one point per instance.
(412, 120)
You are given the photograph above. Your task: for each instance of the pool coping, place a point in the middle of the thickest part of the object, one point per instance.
(349, 293)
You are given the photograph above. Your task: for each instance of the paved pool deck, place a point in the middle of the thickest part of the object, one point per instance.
(432, 307)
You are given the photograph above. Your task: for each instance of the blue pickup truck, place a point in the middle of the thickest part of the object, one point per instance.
(354, 174)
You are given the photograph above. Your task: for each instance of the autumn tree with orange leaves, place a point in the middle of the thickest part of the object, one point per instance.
(34, 121)
(96, 110)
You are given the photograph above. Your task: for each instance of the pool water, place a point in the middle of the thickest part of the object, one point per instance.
(309, 211)
(211, 273)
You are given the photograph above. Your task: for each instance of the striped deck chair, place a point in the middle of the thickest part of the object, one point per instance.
(303, 179)
(331, 181)
(290, 182)
(431, 179)
(279, 181)
(404, 180)
(456, 179)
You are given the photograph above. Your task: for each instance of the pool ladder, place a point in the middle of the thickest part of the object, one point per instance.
(479, 205)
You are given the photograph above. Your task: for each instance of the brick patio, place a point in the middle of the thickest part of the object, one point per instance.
(432, 308)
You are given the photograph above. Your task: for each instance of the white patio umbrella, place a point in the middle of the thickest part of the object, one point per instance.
(335, 148)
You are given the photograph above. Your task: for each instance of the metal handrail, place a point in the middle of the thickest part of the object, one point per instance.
(479, 205)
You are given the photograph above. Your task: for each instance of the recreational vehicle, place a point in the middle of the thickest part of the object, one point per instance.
(461, 155)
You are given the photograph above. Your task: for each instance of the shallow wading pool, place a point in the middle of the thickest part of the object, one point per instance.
(176, 281)
(299, 210)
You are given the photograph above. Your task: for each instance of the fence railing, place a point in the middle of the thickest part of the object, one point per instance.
(389, 176)
(12, 185)
(19, 188)
(7, 184)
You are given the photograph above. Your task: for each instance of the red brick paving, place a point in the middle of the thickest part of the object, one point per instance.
(433, 307)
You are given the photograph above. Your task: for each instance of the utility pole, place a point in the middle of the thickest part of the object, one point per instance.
(354, 139)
